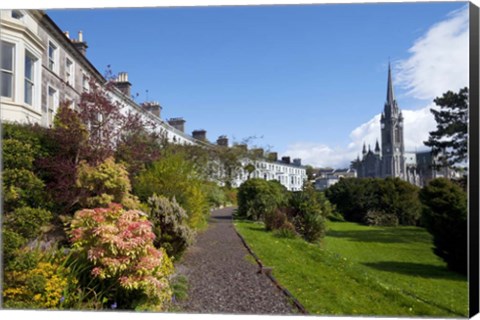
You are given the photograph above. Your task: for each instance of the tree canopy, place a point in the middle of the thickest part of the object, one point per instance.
(451, 136)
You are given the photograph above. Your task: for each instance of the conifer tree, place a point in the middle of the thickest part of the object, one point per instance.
(451, 136)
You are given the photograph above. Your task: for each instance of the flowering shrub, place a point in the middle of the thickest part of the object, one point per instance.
(119, 245)
(34, 283)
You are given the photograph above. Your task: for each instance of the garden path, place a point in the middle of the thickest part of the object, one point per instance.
(222, 280)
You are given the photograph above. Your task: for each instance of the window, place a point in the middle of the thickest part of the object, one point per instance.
(29, 77)
(70, 102)
(7, 54)
(85, 83)
(69, 72)
(52, 56)
(52, 105)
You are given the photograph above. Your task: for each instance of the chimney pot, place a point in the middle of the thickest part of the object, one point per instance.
(153, 107)
(200, 135)
(80, 36)
(122, 83)
(222, 141)
(177, 123)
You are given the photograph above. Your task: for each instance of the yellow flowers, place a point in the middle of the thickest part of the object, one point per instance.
(40, 287)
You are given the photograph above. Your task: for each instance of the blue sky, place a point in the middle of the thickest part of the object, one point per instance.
(308, 79)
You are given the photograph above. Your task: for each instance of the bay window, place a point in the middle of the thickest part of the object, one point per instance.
(7, 63)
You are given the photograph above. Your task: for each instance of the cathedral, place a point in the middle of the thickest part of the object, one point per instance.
(391, 160)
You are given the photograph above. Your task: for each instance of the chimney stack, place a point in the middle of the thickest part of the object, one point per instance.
(297, 162)
(242, 146)
(122, 84)
(273, 156)
(258, 152)
(200, 135)
(177, 123)
(222, 141)
(79, 44)
(153, 107)
(286, 160)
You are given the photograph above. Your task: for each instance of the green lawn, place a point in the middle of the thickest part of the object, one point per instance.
(360, 270)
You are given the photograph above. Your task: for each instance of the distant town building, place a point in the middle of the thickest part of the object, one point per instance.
(328, 177)
(391, 160)
(290, 175)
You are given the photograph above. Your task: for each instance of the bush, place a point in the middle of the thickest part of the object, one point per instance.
(169, 225)
(137, 150)
(21, 188)
(231, 196)
(256, 197)
(173, 176)
(215, 195)
(38, 281)
(445, 217)
(275, 219)
(355, 198)
(17, 154)
(11, 242)
(380, 218)
(287, 230)
(408, 207)
(33, 136)
(27, 222)
(328, 209)
(306, 214)
(348, 195)
(119, 246)
(67, 145)
(105, 183)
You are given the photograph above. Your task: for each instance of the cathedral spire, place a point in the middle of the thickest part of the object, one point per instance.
(364, 151)
(377, 147)
(390, 93)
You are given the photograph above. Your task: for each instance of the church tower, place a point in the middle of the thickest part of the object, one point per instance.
(391, 123)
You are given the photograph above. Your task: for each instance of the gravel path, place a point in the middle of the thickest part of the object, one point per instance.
(222, 280)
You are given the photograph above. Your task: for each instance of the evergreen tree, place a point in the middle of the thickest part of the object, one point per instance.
(451, 136)
(445, 216)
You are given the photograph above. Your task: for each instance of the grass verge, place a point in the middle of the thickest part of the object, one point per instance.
(360, 270)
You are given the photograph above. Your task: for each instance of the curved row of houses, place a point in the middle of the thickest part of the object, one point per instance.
(42, 66)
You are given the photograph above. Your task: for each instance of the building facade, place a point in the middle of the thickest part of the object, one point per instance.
(292, 175)
(42, 67)
(391, 160)
(329, 177)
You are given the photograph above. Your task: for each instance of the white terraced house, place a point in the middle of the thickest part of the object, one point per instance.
(292, 175)
(42, 66)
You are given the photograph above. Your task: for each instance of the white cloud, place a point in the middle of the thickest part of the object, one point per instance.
(438, 60)
(319, 155)
(438, 63)
(417, 125)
